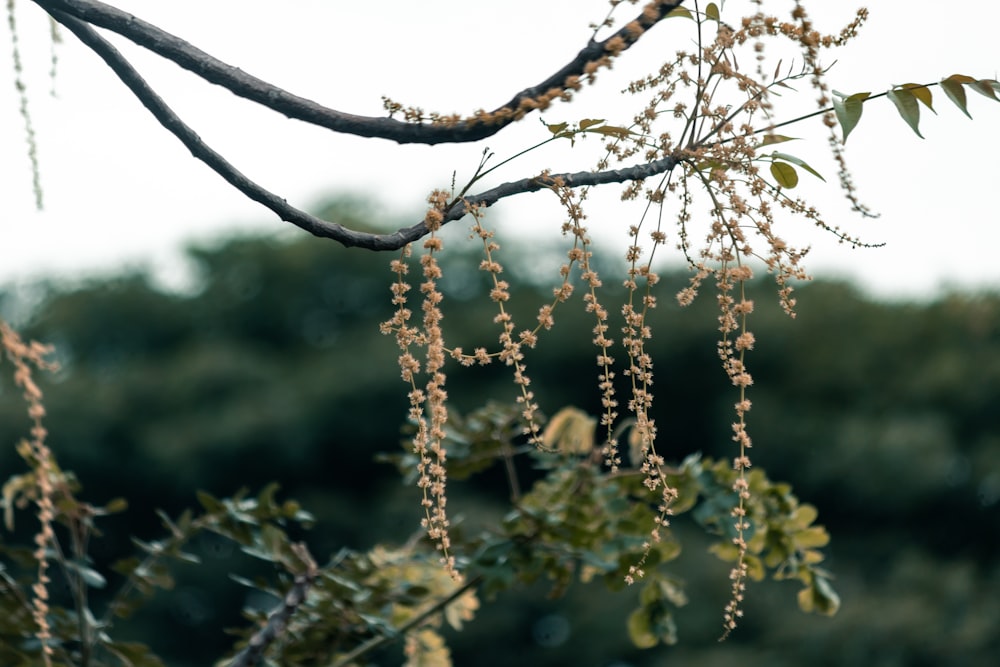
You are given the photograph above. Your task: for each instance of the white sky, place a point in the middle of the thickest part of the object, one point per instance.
(121, 191)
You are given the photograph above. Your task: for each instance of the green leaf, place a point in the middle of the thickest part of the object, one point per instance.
(848, 109)
(908, 107)
(611, 130)
(952, 87)
(985, 87)
(784, 174)
(679, 11)
(712, 12)
(210, 503)
(819, 597)
(794, 160)
(590, 122)
(812, 537)
(90, 576)
(776, 139)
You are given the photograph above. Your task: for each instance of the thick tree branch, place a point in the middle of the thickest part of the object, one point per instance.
(240, 83)
(310, 223)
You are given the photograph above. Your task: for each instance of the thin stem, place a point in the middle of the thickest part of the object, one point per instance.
(377, 642)
(78, 536)
(513, 157)
(828, 110)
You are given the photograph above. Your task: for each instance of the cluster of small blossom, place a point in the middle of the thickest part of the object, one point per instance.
(581, 254)
(640, 372)
(428, 405)
(733, 610)
(719, 156)
(736, 340)
(810, 40)
(511, 352)
(24, 356)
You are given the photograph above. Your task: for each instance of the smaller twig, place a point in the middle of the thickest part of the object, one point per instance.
(376, 642)
(508, 463)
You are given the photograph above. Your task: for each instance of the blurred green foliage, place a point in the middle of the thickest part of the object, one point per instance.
(882, 416)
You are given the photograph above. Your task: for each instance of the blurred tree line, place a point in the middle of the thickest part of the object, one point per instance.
(272, 369)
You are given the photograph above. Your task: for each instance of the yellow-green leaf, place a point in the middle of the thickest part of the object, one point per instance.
(611, 130)
(640, 629)
(570, 431)
(784, 174)
(803, 516)
(755, 568)
(726, 551)
(921, 92)
(426, 648)
(556, 128)
(590, 122)
(812, 537)
(679, 11)
(757, 543)
(461, 610)
(712, 12)
(794, 160)
(116, 505)
(952, 87)
(775, 139)
(812, 557)
(848, 109)
(908, 107)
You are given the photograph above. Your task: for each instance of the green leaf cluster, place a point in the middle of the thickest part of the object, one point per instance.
(909, 97)
(576, 523)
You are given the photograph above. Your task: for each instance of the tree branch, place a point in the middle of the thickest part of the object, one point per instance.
(245, 85)
(310, 223)
(276, 623)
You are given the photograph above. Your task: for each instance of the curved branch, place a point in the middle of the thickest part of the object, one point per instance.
(240, 83)
(310, 223)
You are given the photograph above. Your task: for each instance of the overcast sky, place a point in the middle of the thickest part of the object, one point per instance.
(121, 191)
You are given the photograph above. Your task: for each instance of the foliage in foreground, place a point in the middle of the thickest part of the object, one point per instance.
(577, 522)
(193, 391)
